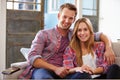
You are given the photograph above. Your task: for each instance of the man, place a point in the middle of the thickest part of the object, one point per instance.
(46, 53)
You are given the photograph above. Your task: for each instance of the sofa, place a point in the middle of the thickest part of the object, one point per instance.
(24, 51)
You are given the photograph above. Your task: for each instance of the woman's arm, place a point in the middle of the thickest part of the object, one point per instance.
(98, 70)
(68, 58)
(87, 69)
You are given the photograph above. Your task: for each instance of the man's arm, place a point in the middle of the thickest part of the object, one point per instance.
(109, 54)
(60, 71)
(35, 55)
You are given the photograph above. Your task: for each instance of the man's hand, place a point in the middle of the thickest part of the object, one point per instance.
(61, 71)
(109, 55)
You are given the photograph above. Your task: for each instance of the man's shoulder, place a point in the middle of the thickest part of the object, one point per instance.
(47, 30)
(71, 30)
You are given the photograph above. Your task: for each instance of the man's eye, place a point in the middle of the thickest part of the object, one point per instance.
(64, 17)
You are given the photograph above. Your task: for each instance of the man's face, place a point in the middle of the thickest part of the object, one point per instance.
(66, 18)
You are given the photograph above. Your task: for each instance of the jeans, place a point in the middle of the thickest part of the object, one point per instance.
(42, 73)
(78, 75)
(113, 72)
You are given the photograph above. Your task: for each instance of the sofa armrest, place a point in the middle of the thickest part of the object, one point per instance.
(13, 75)
(10, 74)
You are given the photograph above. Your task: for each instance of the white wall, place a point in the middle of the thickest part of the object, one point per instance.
(79, 8)
(2, 35)
(110, 18)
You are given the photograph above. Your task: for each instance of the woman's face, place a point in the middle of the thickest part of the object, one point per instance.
(83, 33)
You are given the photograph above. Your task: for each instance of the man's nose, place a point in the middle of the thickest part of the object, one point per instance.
(67, 20)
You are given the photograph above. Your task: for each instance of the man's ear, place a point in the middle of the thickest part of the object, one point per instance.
(58, 15)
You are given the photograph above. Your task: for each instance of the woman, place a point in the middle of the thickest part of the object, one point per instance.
(83, 55)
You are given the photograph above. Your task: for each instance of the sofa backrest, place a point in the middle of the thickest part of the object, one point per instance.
(116, 49)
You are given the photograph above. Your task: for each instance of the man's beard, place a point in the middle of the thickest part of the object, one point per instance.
(65, 27)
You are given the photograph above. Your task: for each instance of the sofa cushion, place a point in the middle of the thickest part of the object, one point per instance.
(13, 76)
(116, 49)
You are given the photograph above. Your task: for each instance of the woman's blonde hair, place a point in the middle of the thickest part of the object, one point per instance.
(75, 42)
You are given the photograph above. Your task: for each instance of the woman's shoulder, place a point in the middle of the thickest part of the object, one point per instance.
(69, 50)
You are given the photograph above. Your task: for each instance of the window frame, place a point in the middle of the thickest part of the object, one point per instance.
(91, 11)
(15, 5)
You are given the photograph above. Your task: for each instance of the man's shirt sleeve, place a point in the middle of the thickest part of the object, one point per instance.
(97, 36)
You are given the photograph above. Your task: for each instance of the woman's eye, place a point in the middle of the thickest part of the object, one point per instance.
(85, 29)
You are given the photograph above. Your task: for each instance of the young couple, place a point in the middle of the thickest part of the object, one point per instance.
(50, 59)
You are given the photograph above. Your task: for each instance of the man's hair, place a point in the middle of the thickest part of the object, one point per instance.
(69, 6)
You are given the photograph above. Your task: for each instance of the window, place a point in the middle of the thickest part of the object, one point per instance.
(89, 7)
(31, 5)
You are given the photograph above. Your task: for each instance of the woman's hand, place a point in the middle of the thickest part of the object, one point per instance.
(82, 69)
(87, 69)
